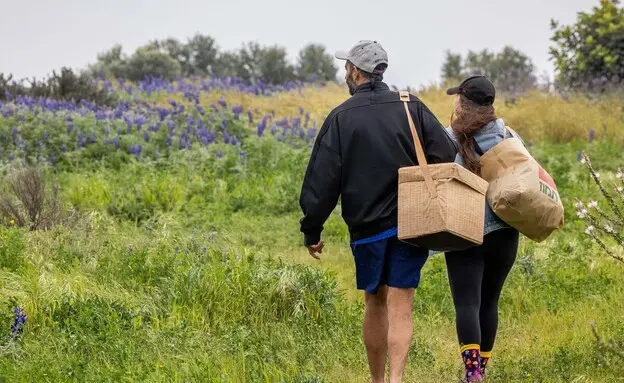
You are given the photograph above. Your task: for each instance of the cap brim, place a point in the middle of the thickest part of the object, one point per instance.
(341, 55)
(452, 91)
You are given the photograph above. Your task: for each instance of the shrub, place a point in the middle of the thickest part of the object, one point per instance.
(64, 86)
(606, 228)
(34, 204)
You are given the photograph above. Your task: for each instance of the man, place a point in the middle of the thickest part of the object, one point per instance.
(356, 156)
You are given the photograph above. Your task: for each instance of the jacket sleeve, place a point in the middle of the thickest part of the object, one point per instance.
(438, 144)
(321, 183)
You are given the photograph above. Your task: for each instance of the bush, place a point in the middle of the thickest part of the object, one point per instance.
(34, 204)
(64, 86)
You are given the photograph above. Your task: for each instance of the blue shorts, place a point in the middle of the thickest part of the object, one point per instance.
(384, 260)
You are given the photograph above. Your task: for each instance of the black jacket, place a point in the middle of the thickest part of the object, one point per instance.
(357, 155)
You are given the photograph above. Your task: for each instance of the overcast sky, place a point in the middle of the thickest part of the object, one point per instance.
(38, 36)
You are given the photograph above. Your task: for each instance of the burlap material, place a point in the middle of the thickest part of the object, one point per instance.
(440, 207)
(521, 192)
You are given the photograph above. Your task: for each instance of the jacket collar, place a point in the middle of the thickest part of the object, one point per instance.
(368, 87)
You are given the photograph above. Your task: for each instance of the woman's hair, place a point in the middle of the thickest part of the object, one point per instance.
(466, 120)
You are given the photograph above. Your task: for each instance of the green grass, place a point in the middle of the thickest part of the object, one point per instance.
(193, 270)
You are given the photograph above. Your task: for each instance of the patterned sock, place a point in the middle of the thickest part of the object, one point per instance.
(471, 356)
(485, 358)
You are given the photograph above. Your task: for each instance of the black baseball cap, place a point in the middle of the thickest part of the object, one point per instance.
(476, 88)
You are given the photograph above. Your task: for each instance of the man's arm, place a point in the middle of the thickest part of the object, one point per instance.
(439, 146)
(321, 185)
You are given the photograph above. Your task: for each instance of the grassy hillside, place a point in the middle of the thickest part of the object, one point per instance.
(178, 256)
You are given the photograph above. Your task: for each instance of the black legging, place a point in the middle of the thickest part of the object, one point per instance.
(476, 277)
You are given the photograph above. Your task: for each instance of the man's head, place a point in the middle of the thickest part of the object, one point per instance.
(365, 62)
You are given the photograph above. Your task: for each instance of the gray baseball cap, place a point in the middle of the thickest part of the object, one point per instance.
(365, 55)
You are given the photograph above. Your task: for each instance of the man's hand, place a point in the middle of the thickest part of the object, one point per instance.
(314, 249)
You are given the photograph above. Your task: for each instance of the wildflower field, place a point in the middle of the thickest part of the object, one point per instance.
(167, 247)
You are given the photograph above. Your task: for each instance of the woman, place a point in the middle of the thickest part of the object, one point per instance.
(477, 275)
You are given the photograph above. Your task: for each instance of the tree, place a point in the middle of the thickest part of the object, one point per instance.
(274, 65)
(177, 51)
(314, 63)
(150, 62)
(111, 63)
(510, 70)
(203, 53)
(590, 53)
(255, 63)
(452, 67)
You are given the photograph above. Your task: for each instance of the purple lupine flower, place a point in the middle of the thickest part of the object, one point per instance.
(64, 148)
(92, 139)
(237, 110)
(301, 111)
(205, 137)
(262, 126)
(128, 122)
(311, 133)
(162, 113)
(81, 140)
(222, 103)
(592, 135)
(115, 142)
(154, 127)
(200, 109)
(171, 126)
(106, 131)
(11, 157)
(139, 121)
(283, 123)
(168, 140)
(19, 321)
(135, 149)
(70, 127)
(214, 107)
(100, 115)
(146, 136)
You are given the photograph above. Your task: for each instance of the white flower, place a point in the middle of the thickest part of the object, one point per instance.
(619, 189)
(583, 161)
(608, 228)
(590, 229)
(581, 213)
(592, 204)
(579, 205)
(597, 175)
(619, 175)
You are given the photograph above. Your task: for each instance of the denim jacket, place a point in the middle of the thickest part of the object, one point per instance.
(487, 137)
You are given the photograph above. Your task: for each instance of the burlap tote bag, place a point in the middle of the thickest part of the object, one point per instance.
(521, 192)
(441, 207)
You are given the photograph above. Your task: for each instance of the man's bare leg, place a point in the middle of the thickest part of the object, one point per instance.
(399, 330)
(376, 332)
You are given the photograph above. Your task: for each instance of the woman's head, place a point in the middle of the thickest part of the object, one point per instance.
(473, 109)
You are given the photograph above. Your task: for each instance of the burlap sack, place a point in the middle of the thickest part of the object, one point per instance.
(440, 207)
(520, 191)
